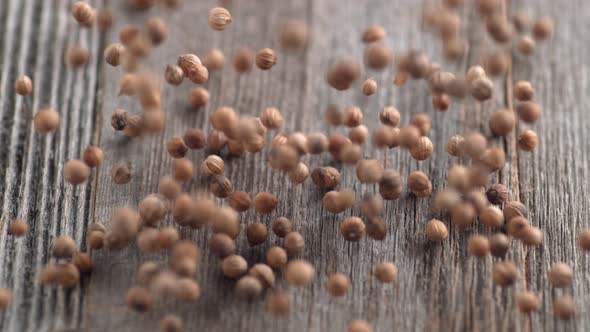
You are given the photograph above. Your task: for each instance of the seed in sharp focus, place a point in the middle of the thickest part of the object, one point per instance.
(63, 247)
(505, 273)
(532, 236)
(220, 186)
(478, 245)
(338, 284)
(583, 239)
(265, 59)
(76, 56)
(352, 229)
(517, 226)
(23, 85)
(265, 202)
(214, 59)
(514, 209)
(193, 68)
(139, 299)
(281, 226)
(46, 120)
(523, 90)
(385, 272)
(378, 56)
(213, 165)
(219, 18)
(325, 177)
(528, 140)
(294, 243)
(369, 87)
(248, 288)
(276, 257)
(491, 216)
(264, 274)
(502, 122)
(243, 59)
(436, 230)
(171, 323)
(373, 34)
(152, 210)
(299, 272)
(294, 35)
(343, 73)
(83, 13)
(560, 275)
(271, 118)
(234, 266)
(256, 233)
(5, 298)
(369, 171)
(527, 301)
(543, 28)
(499, 245)
(419, 184)
(182, 169)
(240, 201)
(121, 173)
(173, 74)
(423, 149)
(358, 325)
(497, 194)
(18, 228)
(564, 307)
(277, 303)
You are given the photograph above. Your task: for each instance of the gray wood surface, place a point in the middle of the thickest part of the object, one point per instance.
(440, 287)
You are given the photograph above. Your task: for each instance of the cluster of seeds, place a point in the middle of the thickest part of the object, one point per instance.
(468, 198)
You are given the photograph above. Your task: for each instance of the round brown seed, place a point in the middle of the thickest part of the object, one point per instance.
(276, 257)
(265, 202)
(499, 245)
(76, 171)
(219, 18)
(527, 301)
(234, 266)
(281, 226)
(265, 59)
(294, 243)
(478, 245)
(386, 272)
(505, 273)
(352, 229)
(299, 272)
(528, 140)
(46, 120)
(560, 275)
(564, 307)
(436, 230)
(23, 85)
(419, 184)
(338, 284)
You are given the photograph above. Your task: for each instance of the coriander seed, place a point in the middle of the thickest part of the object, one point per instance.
(514, 209)
(369, 171)
(583, 239)
(491, 216)
(168, 187)
(156, 30)
(256, 234)
(497, 194)
(219, 18)
(543, 28)
(358, 325)
(527, 301)
(76, 56)
(248, 288)
(526, 45)
(23, 85)
(299, 173)
(505, 273)
(176, 147)
(523, 90)
(478, 245)
(271, 118)
(167, 237)
(277, 303)
(265, 59)
(234, 266)
(422, 150)
(532, 236)
(265, 202)
(389, 116)
(463, 215)
(195, 139)
(18, 228)
(5, 298)
(373, 34)
(496, 63)
(338, 284)
(139, 299)
(455, 145)
(502, 122)
(359, 134)
(528, 140)
(281, 226)
(481, 88)
(46, 120)
(499, 245)
(193, 68)
(198, 97)
(276, 257)
(63, 247)
(560, 275)
(436, 230)
(409, 136)
(173, 74)
(422, 122)
(264, 274)
(299, 272)
(93, 156)
(441, 102)
(213, 165)
(369, 87)
(352, 229)
(182, 169)
(83, 13)
(83, 262)
(475, 144)
(372, 205)
(240, 201)
(494, 158)
(325, 177)
(564, 307)
(343, 73)
(171, 323)
(351, 153)
(353, 116)
(385, 272)
(76, 171)
(152, 209)
(121, 173)
(517, 226)
(221, 245)
(214, 59)
(444, 201)
(243, 59)
(226, 221)
(294, 243)
(376, 228)
(419, 184)
(220, 186)
(385, 137)
(294, 35)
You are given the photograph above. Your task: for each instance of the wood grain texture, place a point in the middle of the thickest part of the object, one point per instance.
(440, 287)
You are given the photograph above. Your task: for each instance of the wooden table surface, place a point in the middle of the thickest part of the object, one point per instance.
(440, 287)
